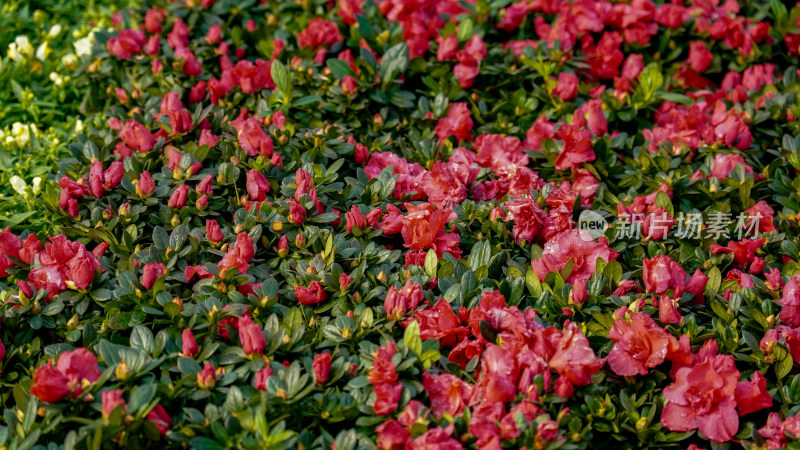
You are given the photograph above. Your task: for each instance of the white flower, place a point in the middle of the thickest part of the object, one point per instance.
(78, 126)
(84, 46)
(20, 49)
(37, 185)
(19, 185)
(55, 30)
(42, 51)
(21, 134)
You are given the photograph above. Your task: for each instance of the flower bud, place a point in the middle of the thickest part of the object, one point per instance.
(283, 246)
(299, 240)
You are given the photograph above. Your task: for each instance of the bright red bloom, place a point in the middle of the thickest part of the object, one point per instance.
(355, 218)
(498, 152)
(577, 147)
(752, 396)
(383, 368)
(577, 245)
(177, 199)
(52, 384)
(660, 274)
(127, 43)
(322, 367)
(743, 251)
(110, 400)
(387, 397)
(137, 136)
(699, 56)
(399, 302)
(573, 357)
(213, 231)
(319, 33)
(310, 295)
(392, 435)
(206, 378)
(448, 393)
(567, 87)
(457, 123)
(702, 396)
(253, 139)
(262, 376)
(10, 246)
(540, 130)
(257, 185)
(790, 301)
(158, 416)
(252, 337)
(639, 343)
(189, 348)
(446, 184)
(151, 273)
(725, 163)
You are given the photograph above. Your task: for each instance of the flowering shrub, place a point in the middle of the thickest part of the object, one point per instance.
(394, 224)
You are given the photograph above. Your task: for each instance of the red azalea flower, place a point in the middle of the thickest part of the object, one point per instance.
(189, 348)
(448, 393)
(398, 302)
(252, 336)
(322, 367)
(137, 136)
(660, 274)
(151, 273)
(702, 396)
(110, 400)
(639, 344)
(752, 396)
(573, 357)
(457, 123)
(52, 384)
(387, 397)
(158, 416)
(577, 245)
(310, 295)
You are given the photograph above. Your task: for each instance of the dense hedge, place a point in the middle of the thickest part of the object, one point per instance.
(414, 224)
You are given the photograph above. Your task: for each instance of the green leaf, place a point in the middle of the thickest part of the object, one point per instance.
(394, 63)
(282, 79)
(431, 263)
(340, 68)
(411, 338)
(465, 30)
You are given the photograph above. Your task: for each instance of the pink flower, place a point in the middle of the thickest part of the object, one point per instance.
(447, 393)
(577, 147)
(702, 396)
(322, 367)
(137, 136)
(790, 301)
(457, 123)
(752, 396)
(573, 357)
(319, 33)
(189, 347)
(576, 245)
(52, 384)
(639, 344)
(110, 400)
(252, 337)
(567, 87)
(399, 302)
(660, 274)
(158, 416)
(151, 273)
(310, 295)
(262, 376)
(699, 56)
(126, 44)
